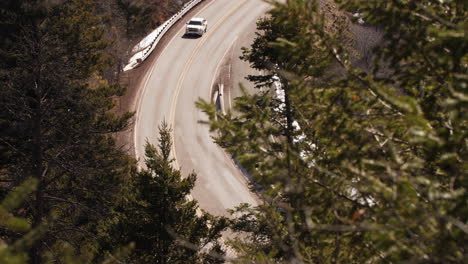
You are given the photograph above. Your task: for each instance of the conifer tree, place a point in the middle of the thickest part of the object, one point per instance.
(16, 252)
(163, 224)
(56, 122)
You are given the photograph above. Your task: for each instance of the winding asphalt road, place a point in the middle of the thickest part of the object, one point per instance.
(185, 71)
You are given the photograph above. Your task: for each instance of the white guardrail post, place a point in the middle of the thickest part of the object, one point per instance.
(167, 25)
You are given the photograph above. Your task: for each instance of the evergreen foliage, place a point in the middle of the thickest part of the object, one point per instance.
(56, 122)
(16, 252)
(85, 201)
(141, 16)
(163, 223)
(356, 165)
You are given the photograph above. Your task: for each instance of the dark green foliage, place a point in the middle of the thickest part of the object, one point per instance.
(12, 201)
(16, 252)
(56, 122)
(57, 119)
(163, 223)
(141, 16)
(137, 17)
(377, 171)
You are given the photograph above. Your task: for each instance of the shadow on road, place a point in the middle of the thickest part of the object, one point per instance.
(191, 36)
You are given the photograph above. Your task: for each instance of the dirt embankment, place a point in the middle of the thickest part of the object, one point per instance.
(364, 38)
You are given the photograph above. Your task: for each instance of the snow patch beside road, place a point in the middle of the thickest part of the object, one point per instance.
(144, 48)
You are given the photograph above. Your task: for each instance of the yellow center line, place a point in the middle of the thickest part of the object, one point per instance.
(187, 67)
(179, 86)
(154, 64)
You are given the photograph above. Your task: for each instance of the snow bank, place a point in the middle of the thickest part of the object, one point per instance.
(144, 48)
(148, 40)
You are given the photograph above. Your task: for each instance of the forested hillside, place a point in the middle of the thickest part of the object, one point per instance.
(358, 155)
(69, 194)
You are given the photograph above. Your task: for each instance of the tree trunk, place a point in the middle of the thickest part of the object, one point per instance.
(289, 126)
(37, 172)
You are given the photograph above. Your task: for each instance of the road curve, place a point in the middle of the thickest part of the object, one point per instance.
(185, 71)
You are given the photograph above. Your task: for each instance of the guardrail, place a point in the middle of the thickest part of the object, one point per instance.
(164, 28)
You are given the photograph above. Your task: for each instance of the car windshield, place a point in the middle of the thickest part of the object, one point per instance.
(197, 23)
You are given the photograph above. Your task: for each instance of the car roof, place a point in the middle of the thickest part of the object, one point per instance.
(197, 19)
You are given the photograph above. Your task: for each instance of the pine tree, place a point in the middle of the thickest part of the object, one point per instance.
(56, 122)
(165, 226)
(16, 252)
(364, 165)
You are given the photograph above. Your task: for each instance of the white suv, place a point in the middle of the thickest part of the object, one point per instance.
(197, 26)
